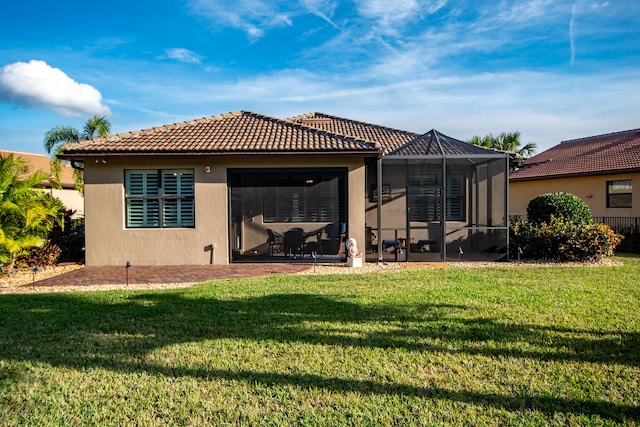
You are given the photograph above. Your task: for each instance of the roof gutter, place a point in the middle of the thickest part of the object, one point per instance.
(76, 157)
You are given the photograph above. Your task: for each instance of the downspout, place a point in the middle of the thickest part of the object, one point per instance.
(379, 202)
(506, 203)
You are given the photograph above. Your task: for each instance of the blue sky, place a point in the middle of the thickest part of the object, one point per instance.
(553, 70)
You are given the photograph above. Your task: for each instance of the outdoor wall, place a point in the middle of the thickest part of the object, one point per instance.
(71, 199)
(591, 189)
(109, 242)
(254, 234)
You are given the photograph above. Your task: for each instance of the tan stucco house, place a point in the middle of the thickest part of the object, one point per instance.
(70, 197)
(602, 170)
(248, 187)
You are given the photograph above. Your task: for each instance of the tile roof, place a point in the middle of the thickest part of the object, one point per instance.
(40, 162)
(237, 132)
(390, 139)
(436, 144)
(609, 153)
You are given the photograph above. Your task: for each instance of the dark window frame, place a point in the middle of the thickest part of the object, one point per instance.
(159, 198)
(618, 199)
(298, 195)
(425, 198)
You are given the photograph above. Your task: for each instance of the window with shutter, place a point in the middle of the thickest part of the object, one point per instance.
(302, 198)
(159, 198)
(424, 198)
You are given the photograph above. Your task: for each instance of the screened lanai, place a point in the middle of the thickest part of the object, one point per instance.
(440, 199)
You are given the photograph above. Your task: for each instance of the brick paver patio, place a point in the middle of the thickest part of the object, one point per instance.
(90, 276)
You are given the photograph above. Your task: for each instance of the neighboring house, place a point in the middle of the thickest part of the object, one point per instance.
(68, 195)
(247, 187)
(602, 170)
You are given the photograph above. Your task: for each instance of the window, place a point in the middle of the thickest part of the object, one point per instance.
(619, 193)
(159, 198)
(425, 198)
(302, 198)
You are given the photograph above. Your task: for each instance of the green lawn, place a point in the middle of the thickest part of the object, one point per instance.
(432, 346)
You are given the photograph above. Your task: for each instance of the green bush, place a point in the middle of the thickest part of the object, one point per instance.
(561, 240)
(559, 205)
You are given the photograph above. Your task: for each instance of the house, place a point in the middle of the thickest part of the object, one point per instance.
(70, 197)
(248, 187)
(602, 170)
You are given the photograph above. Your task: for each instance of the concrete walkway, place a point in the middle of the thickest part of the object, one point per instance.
(91, 276)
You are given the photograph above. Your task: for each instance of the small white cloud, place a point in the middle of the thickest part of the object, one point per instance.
(35, 84)
(183, 55)
(391, 16)
(254, 17)
(572, 37)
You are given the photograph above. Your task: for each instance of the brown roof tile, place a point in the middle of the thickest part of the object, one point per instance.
(609, 153)
(40, 162)
(390, 139)
(238, 132)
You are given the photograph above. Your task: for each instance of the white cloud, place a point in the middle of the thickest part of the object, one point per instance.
(322, 9)
(525, 12)
(35, 84)
(183, 55)
(392, 16)
(572, 41)
(546, 107)
(254, 17)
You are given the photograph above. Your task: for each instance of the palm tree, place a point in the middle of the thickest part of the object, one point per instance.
(27, 214)
(57, 136)
(506, 141)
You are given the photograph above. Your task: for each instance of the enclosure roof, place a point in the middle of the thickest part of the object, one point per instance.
(389, 138)
(608, 153)
(436, 144)
(237, 132)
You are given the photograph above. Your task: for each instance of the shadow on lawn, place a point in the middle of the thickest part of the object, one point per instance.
(72, 330)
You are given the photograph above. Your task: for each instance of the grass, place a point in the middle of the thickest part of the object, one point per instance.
(433, 346)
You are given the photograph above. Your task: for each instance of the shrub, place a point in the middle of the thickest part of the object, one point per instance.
(631, 241)
(45, 256)
(559, 205)
(562, 240)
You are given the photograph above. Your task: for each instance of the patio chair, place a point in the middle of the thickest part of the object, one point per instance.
(331, 243)
(275, 241)
(294, 241)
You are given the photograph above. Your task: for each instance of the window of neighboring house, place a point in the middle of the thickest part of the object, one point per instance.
(619, 193)
(425, 200)
(159, 198)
